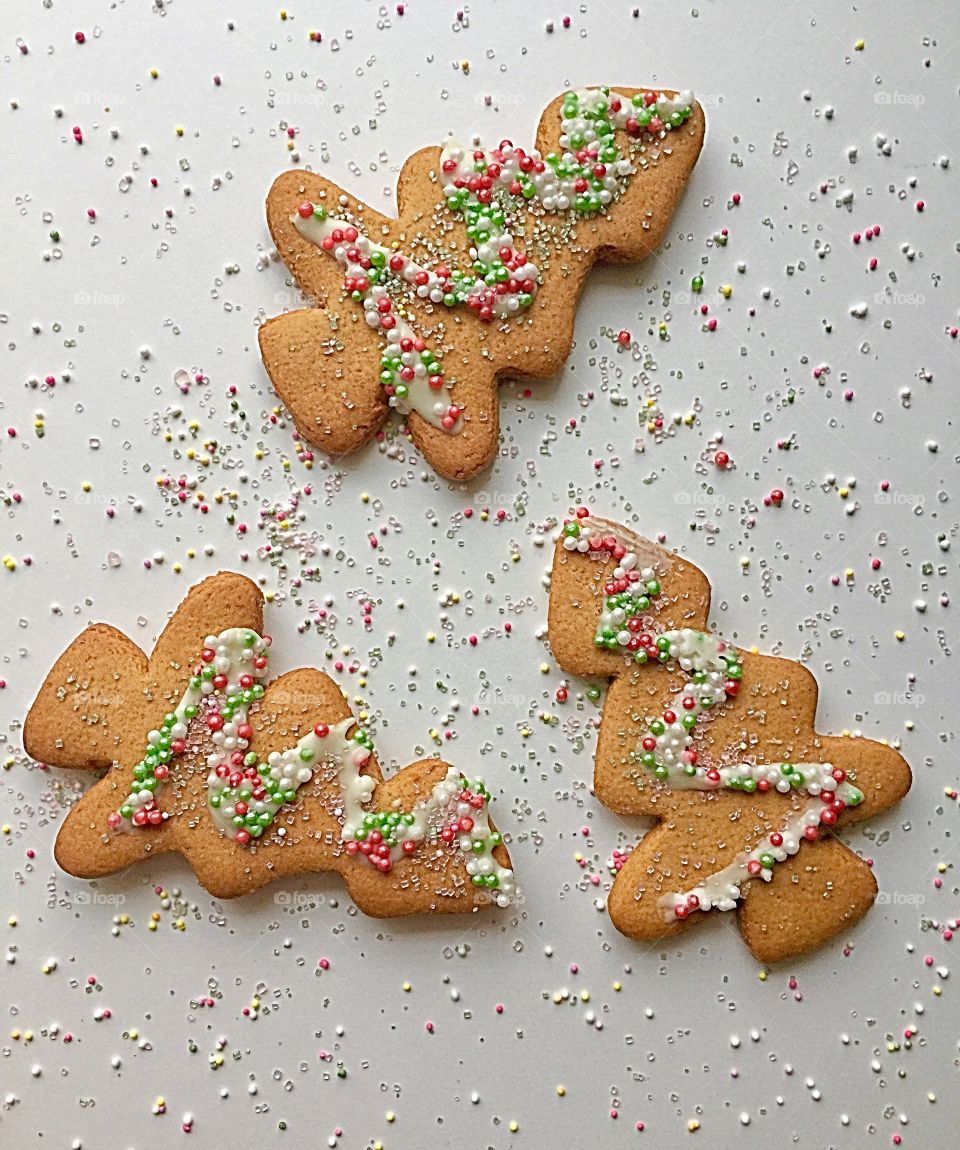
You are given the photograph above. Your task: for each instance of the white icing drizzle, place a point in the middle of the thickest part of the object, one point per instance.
(420, 397)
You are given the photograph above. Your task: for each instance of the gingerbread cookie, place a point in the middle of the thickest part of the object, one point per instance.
(719, 746)
(476, 280)
(247, 778)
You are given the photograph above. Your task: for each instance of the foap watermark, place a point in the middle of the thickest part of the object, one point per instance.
(99, 898)
(900, 898)
(898, 699)
(500, 99)
(98, 99)
(297, 99)
(491, 696)
(297, 899)
(99, 299)
(695, 499)
(893, 98)
(899, 498)
(899, 298)
(97, 699)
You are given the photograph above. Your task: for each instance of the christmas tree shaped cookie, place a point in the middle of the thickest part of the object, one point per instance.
(477, 278)
(251, 779)
(719, 746)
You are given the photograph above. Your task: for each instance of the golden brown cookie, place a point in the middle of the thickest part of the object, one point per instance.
(720, 747)
(477, 280)
(251, 779)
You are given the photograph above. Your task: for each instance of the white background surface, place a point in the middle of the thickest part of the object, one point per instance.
(693, 1034)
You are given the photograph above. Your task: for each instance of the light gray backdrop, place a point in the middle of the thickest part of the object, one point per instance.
(820, 140)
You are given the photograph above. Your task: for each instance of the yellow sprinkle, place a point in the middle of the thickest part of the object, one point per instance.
(390, 1116)
(124, 919)
(617, 987)
(15, 1034)
(191, 554)
(561, 1090)
(283, 13)
(154, 73)
(484, 516)
(515, 557)
(941, 867)
(134, 1034)
(179, 130)
(7, 828)
(544, 668)
(726, 291)
(514, 1127)
(431, 637)
(9, 562)
(762, 976)
(177, 568)
(407, 988)
(151, 926)
(255, 1004)
(28, 1036)
(584, 995)
(693, 1125)
(859, 45)
(86, 485)
(843, 492)
(365, 498)
(12, 920)
(909, 724)
(937, 991)
(269, 596)
(899, 636)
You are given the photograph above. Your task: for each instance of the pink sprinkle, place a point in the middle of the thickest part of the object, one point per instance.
(736, 197)
(429, 1028)
(613, 1113)
(91, 213)
(920, 205)
(216, 81)
(324, 963)
(499, 1008)
(875, 564)
(79, 37)
(711, 325)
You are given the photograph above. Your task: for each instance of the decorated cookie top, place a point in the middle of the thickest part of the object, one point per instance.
(623, 600)
(508, 222)
(251, 778)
